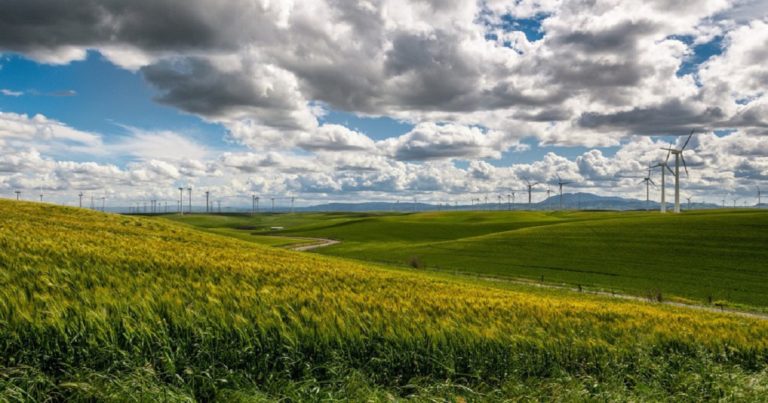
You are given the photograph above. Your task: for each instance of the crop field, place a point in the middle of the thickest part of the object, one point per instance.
(99, 307)
(713, 257)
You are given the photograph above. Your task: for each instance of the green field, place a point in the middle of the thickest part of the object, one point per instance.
(717, 256)
(101, 307)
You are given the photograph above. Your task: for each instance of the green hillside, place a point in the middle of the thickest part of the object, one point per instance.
(106, 307)
(706, 256)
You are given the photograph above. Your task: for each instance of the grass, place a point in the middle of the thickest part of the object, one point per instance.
(106, 307)
(716, 256)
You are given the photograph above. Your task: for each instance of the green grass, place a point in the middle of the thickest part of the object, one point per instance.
(101, 307)
(718, 256)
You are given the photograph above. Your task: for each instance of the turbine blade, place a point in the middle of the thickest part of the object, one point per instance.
(684, 165)
(669, 169)
(669, 152)
(652, 182)
(686, 141)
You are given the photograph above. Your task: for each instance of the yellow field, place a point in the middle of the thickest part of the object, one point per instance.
(90, 303)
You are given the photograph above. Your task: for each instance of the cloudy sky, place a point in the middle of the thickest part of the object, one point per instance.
(343, 100)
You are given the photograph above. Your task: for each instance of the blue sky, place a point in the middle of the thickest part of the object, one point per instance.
(429, 98)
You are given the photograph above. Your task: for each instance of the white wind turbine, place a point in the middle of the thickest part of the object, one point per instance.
(678, 153)
(530, 190)
(663, 166)
(648, 182)
(560, 183)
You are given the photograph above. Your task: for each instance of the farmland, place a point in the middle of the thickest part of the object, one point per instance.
(716, 256)
(96, 306)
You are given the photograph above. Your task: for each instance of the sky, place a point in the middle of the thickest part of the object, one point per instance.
(379, 100)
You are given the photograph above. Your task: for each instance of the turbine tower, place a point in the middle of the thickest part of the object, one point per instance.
(648, 182)
(560, 184)
(759, 197)
(549, 201)
(81, 199)
(530, 189)
(663, 166)
(18, 193)
(678, 153)
(189, 190)
(181, 200)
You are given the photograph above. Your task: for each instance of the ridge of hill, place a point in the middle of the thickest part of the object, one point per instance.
(97, 306)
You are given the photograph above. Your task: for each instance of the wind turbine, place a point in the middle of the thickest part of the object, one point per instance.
(189, 189)
(18, 193)
(81, 199)
(648, 182)
(181, 200)
(678, 153)
(689, 202)
(549, 201)
(560, 184)
(530, 189)
(759, 197)
(663, 166)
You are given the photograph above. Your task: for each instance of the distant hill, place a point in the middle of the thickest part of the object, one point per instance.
(571, 201)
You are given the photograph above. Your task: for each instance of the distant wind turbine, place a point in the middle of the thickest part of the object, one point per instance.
(560, 184)
(181, 200)
(530, 190)
(648, 182)
(663, 166)
(678, 153)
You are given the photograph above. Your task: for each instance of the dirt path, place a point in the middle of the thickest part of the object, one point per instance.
(321, 243)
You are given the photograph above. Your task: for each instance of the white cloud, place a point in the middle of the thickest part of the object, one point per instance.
(11, 93)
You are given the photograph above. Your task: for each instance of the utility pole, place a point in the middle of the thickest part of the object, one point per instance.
(181, 200)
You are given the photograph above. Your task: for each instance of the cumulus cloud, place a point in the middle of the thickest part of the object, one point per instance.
(429, 141)
(471, 82)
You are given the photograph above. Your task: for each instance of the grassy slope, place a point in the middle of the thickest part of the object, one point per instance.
(98, 306)
(699, 255)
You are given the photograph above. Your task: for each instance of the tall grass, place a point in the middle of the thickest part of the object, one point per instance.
(97, 306)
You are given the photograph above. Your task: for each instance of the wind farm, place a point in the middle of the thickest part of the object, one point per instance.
(383, 201)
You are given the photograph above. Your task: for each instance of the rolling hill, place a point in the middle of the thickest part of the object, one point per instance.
(98, 307)
(708, 256)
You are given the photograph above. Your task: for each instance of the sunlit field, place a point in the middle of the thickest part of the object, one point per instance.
(96, 306)
(710, 256)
